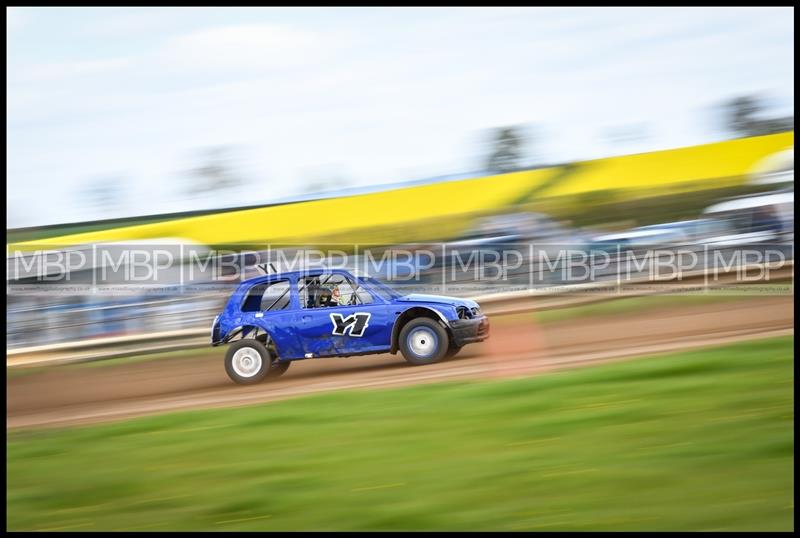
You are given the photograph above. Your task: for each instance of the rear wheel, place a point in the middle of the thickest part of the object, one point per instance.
(423, 341)
(247, 362)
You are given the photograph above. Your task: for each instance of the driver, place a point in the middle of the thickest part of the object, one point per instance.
(338, 298)
(336, 295)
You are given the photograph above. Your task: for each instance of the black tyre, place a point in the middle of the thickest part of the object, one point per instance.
(278, 368)
(423, 341)
(247, 361)
(452, 351)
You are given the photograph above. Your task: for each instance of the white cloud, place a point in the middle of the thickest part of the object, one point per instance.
(243, 48)
(58, 72)
(16, 18)
(384, 94)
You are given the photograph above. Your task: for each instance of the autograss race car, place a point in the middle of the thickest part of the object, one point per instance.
(272, 320)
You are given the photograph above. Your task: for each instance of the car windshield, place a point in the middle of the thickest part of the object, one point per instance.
(385, 291)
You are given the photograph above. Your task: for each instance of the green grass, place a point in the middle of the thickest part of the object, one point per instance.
(689, 441)
(190, 353)
(632, 305)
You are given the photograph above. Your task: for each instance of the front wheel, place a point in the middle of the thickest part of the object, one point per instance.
(278, 368)
(452, 351)
(247, 361)
(423, 341)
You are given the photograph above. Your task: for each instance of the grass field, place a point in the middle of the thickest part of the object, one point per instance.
(634, 305)
(689, 441)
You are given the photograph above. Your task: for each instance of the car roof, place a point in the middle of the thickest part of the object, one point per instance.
(292, 275)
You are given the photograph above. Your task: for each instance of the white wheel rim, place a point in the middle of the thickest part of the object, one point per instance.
(422, 342)
(246, 362)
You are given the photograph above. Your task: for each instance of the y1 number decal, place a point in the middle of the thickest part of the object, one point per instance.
(355, 323)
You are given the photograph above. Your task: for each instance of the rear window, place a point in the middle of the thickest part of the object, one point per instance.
(267, 297)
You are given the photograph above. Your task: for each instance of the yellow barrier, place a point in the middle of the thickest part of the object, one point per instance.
(425, 212)
(317, 220)
(718, 165)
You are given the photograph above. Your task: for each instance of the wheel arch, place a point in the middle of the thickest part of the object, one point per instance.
(413, 313)
(257, 332)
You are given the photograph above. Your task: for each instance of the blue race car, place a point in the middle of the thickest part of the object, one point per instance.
(275, 319)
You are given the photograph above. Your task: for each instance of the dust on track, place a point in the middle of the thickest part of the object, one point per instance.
(61, 396)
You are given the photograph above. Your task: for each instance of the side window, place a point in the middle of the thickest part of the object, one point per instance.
(324, 291)
(364, 297)
(308, 288)
(378, 288)
(264, 297)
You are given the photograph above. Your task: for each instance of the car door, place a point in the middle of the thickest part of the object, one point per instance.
(342, 329)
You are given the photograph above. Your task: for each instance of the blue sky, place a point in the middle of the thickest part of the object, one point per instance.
(373, 96)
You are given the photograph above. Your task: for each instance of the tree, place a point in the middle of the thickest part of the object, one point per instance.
(104, 193)
(507, 149)
(217, 171)
(744, 116)
(323, 184)
(323, 178)
(625, 134)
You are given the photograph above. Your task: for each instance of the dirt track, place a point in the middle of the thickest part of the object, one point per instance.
(61, 396)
